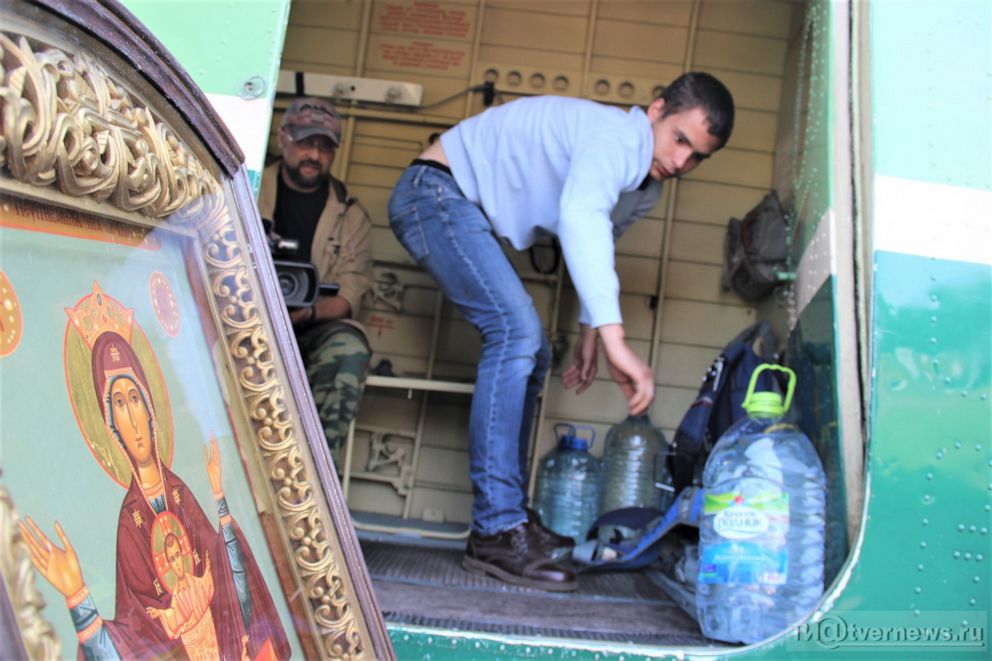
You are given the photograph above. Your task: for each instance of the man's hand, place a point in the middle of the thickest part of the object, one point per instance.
(634, 377)
(582, 371)
(332, 307)
(301, 316)
(327, 308)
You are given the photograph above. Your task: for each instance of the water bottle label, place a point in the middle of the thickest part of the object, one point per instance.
(735, 517)
(743, 563)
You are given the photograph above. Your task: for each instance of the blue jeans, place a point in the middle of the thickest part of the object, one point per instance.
(451, 238)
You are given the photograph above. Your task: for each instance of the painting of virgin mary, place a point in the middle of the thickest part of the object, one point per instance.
(246, 623)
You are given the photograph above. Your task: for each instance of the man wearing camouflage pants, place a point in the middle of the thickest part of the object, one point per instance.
(302, 201)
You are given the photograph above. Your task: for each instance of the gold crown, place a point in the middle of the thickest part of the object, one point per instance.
(97, 313)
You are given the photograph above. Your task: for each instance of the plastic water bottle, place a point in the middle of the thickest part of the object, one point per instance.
(568, 482)
(762, 533)
(634, 470)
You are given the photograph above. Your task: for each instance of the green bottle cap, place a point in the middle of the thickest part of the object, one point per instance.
(768, 404)
(765, 405)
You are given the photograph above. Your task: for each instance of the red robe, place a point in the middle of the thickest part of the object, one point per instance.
(134, 633)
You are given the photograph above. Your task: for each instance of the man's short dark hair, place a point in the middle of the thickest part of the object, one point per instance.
(701, 90)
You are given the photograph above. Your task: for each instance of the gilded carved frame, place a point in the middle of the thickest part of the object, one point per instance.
(82, 131)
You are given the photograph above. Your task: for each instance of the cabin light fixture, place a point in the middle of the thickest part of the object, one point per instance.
(347, 88)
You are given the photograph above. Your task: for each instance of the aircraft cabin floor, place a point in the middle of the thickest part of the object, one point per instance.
(423, 583)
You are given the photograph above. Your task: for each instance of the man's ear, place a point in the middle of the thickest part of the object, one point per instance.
(656, 109)
(281, 139)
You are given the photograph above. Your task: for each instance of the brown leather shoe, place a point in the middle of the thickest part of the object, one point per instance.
(517, 557)
(550, 540)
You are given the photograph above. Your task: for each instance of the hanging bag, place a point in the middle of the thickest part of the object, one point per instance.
(756, 250)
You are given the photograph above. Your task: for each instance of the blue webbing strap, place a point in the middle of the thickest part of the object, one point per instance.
(643, 547)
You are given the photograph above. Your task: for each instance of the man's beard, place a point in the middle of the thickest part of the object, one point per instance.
(306, 182)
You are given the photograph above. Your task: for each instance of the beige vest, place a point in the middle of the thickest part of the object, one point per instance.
(341, 243)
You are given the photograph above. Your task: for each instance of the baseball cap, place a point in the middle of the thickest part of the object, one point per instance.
(308, 116)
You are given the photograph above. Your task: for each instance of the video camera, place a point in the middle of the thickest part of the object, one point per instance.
(298, 279)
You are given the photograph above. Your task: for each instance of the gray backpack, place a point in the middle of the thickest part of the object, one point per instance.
(756, 250)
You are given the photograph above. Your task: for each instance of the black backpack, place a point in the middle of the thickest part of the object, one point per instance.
(755, 250)
(718, 404)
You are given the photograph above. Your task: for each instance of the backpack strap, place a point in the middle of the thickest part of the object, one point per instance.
(613, 533)
(643, 545)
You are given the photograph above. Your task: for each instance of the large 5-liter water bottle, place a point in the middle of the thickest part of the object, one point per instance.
(761, 537)
(635, 473)
(568, 481)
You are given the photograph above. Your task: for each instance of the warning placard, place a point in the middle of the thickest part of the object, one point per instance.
(421, 55)
(428, 19)
(391, 53)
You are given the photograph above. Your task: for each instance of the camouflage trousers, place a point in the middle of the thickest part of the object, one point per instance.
(336, 356)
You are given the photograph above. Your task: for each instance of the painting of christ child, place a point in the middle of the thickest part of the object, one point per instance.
(188, 615)
(186, 586)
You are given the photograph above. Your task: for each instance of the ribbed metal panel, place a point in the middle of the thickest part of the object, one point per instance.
(421, 586)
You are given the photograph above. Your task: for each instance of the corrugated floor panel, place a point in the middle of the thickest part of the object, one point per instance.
(427, 586)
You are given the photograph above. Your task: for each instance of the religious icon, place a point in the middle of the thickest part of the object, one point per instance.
(186, 586)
